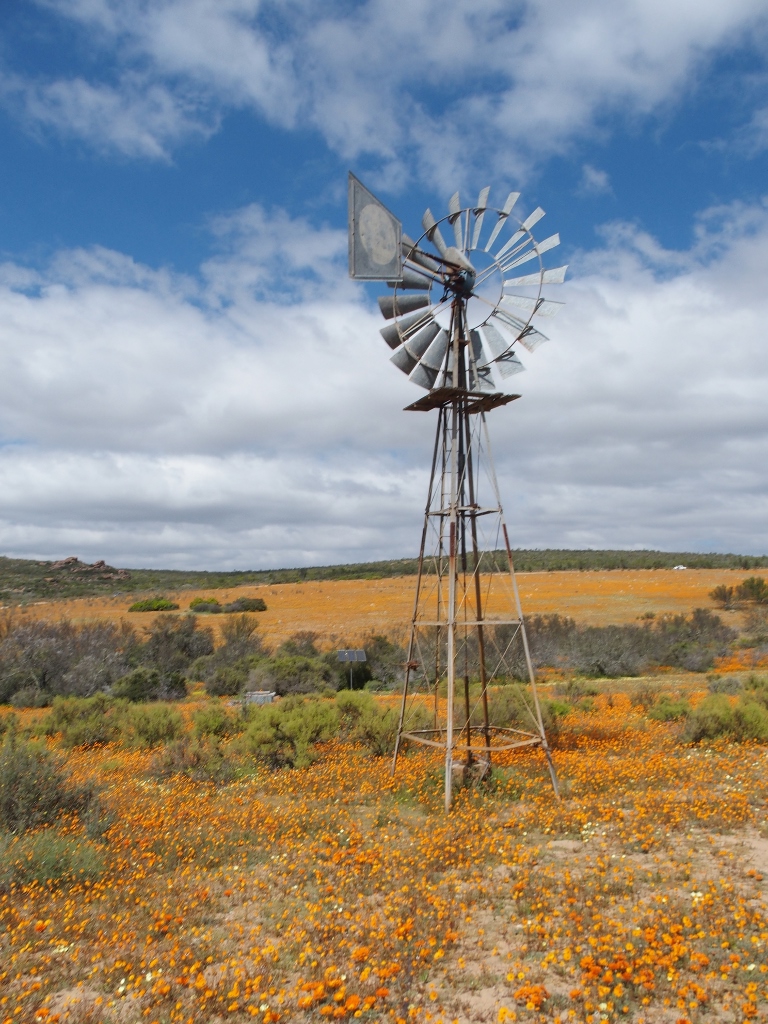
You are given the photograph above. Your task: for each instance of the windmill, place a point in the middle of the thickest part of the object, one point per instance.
(457, 311)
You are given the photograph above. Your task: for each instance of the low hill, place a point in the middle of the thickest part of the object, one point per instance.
(23, 580)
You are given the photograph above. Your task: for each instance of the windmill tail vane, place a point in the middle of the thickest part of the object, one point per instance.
(457, 310)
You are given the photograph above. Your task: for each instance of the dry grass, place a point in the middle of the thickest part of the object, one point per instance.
(336, 891)
(346, 611)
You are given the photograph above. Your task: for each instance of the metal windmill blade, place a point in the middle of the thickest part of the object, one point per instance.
(454, 218)
(501, 353)
(479, 212)
(414, 279)
(410, 352)
(425, 374)
(503, 214)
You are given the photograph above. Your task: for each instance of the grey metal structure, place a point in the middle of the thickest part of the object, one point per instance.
(457, 311)
(355, 654)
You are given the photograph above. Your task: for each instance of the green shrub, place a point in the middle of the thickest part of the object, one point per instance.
(302, 644)
(153, 604)
(31, 697)
(149, 725)
(668, 710)
(352, 705)
(724, 684)
(47, 857)
(142, 684)
(293, 674)
(228, 680)
(215, 720)
(247, 604)
(172, 644)
(205, 604)
(376, 730)
(512, 706)
(364, 721)
(712, 718)
(8, 723)
(716, 717)
(754, 589)
(750, 721)
(723, 596)
(200, 758)
(558, 708)
(33, 789)
(756, 687)
(287, 734)
(82, 721)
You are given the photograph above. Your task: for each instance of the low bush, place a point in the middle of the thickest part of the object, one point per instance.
(229, 680)
(667, 710)
(644, 695)
(205, 606)
(83, 721)
(723, 596)
(513, 707)
(293, 674)
(712, 718)
(215, 720)
(750, 721)
(376, 730)
(724, 684)
(247, 604)
(754, 590)
(34, 790)
(352, 705)
(30, 697)
(149, 726)
(757, 687)
(242, 604)
(362, 720)
(153, 604)
(716, 716)
(286, 735)
(8, 723)
(48, 857)
(202, 758)
(142, 684)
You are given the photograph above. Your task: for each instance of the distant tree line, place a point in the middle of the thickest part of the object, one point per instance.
(25, 579)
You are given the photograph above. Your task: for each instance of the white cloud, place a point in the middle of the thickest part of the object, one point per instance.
(425, 88)
(136, 117)
(594, 182)
(156, 419)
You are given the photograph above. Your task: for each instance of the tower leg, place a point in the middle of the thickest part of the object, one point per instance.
(411, 642)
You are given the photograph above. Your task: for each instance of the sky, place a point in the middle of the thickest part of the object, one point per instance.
(189, 378)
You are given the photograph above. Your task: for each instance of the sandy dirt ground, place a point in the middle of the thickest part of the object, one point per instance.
(346, 611)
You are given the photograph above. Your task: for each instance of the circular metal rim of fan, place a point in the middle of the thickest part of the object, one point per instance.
(413, 328)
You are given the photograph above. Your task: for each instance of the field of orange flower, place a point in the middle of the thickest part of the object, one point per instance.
(337, 892)
(346, 611)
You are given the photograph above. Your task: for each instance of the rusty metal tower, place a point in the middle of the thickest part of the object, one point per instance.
(456, 314)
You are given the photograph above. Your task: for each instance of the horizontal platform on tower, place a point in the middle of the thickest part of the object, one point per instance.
(470, 510)
(469, 622)
(475, 401)
(424, 736)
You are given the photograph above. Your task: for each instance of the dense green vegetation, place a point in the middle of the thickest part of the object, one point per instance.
(23, 579)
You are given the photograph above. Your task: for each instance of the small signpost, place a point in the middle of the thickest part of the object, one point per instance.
(351, 655)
